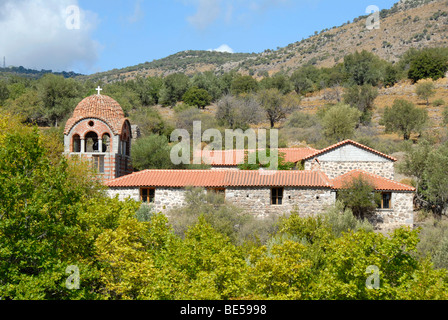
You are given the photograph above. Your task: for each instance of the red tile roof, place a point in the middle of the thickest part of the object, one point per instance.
(236, 157)
(221, 178)
(380, 183)
(318, 153)
(99, 107)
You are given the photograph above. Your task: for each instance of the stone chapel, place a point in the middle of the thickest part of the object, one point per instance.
(99, 131)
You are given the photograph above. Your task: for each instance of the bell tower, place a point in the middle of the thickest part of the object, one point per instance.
(99, 131)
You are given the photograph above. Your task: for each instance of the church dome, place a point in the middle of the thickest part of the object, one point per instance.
(98, 107)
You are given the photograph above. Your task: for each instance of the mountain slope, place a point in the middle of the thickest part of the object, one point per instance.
(408, 24)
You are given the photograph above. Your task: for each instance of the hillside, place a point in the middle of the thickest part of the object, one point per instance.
(408, 24)
(33, 74)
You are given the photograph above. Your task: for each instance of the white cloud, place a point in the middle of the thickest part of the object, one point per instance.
(138, 12)
(263, 5)
(223, 48)
(35, 35)
(207, 13)
(210, 11)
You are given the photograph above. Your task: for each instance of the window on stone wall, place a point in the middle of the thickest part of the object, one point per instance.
(98, 163)
(76, 143)
(386, 200)
(147, 195)
(277, 196)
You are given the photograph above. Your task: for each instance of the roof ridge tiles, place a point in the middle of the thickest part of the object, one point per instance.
(339, 144)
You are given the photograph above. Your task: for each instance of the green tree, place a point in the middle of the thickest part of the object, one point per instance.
(210, 82)
(339, 122)
(150, 122)
(425, 164)
(425, 90)
(278, 81)
(428, 64)
(4, 92)
(243, 84)
(59, 96)
(359, 196)
(404, 117)
(148, 90)
(152, 152)
(52, 213)
(126, 96)
(391, 75)
(174, 87)
(197, 97)
(239, 113)
(301, 82)
(435, 177)
(362, 98)
(276, 105)
(28, 105)
(363, 68)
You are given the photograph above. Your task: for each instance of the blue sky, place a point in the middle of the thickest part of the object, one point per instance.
(118, 33)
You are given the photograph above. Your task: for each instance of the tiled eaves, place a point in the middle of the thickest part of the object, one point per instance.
(222, 178)
(380, 183)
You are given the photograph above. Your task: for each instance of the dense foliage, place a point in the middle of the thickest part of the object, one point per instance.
(54, 215)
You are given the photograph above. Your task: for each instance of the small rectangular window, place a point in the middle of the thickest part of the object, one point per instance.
(98, 163)
(147, 195)
(386, 200)
(277, 196)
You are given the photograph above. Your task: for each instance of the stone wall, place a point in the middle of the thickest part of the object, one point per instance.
(124, 193)
(401, 214)
(335, 169)
(165, 199)
(257, 201)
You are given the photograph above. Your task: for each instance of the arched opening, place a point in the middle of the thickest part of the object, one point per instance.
(125, 145)
(126, 140)
(106, 143)
(76, 146)
(91, 141)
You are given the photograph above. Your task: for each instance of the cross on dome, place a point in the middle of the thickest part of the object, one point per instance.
(99, 90)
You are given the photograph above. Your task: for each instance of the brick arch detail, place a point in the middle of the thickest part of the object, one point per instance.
(82, 128)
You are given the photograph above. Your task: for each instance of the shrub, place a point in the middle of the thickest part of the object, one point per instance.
(342, 220)
(239, 226)
(434, 242)
(425, 90)
(438, 103)
(145, 213)
(301, 120)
